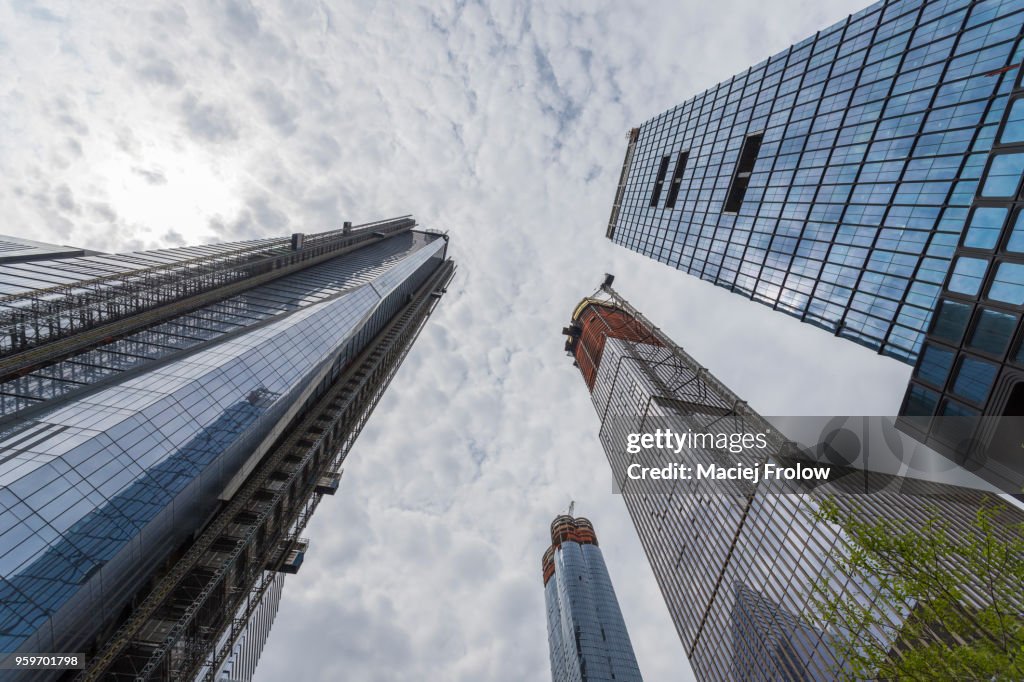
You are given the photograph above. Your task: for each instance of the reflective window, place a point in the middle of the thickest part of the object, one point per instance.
(1008, 284)
(986, 224)
(1014, 130)
(935, 364)
(921, 402)
(968, 275)
(993, 331)
(1003, 176)
(951, 321)
(955, 409)
(955, 430)
(974, 379)
(1016, 241)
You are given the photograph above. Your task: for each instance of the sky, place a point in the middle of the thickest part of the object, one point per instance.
(147, 125)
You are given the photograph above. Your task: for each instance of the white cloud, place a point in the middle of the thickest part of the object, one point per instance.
(504, 124)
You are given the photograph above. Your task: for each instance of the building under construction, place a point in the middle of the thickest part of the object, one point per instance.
(739, 563)
(587, 637)
(169, 422)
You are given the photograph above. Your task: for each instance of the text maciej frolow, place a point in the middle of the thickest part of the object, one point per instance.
(674, 442)
(737, 472)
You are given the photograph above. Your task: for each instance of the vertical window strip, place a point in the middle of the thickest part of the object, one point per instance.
(662, 169)
(677, 180)
(744, 167)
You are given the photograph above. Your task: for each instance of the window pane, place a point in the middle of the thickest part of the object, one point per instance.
(993, 331)
(935, 364)
(951, 321)
(974, 379)
(1003, 176)
(954, 409)
(956, 429)
(1016, 242)
(1014, 130)
(986, 224)
(921, 402)
(967, 275)
(1008, 285)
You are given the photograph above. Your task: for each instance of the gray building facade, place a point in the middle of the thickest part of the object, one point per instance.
(834, 182)
(169, 421)
(737, 562)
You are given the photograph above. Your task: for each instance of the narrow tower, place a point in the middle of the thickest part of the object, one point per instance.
(586, 634)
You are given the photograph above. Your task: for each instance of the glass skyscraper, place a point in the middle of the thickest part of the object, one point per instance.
(169, 421)
(737, 562)
(966, 397)
(834, 180)
(587, 637)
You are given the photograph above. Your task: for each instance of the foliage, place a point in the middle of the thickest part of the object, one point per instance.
(912, 619)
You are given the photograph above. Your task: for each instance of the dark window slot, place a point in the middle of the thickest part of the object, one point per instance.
(662, 169)
(1006, 441)
(677, 180)
(741, 179)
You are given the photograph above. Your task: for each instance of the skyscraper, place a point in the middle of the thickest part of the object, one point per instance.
(768, 642)
(169, 421)
(833, 182)
(587, 637)
(737, 561)
(968, 384)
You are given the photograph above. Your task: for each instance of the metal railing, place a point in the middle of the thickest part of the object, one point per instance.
(620, 191)
(45, 324)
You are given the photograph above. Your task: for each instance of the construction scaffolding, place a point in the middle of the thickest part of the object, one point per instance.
(675, 373)
(42, 325)
(188, 624)
(632, 136)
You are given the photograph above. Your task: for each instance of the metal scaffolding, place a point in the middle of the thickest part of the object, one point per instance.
(42, 325)
(187, 625)
(683, 375)
(632, 136)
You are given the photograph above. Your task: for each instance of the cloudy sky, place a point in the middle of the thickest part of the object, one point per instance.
(155, 124)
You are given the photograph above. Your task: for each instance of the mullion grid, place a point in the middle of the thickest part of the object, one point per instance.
(927, 398)
(695, 242)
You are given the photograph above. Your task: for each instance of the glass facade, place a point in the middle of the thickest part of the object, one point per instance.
(972, 364)
(112, 458)
(833, 181)
(587, 637)
(769, 642)
(16, 249)
(737, 565)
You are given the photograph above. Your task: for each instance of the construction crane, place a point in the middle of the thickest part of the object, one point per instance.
(572, 506)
